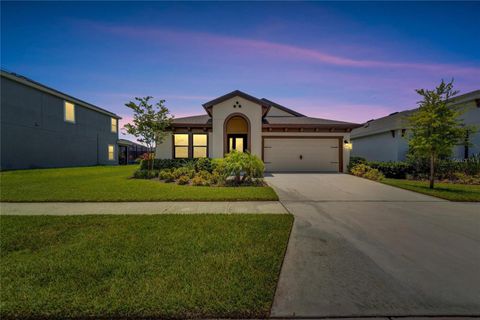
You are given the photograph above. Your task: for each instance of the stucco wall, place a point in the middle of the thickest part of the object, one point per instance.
(35, 135)
(250, 110)
(345, 135)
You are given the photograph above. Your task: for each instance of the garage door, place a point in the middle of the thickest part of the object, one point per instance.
(297, 154)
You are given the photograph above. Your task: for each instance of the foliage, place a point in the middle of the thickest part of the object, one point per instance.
(243, 166)
(354, 161)
(166, 175)
(145, 174)
(364, 171)
(200, 181)
(435, 126)
(396, 170)
(203, 164)
(150, 122)
(183, 180)
(183, 171)
(463, 178)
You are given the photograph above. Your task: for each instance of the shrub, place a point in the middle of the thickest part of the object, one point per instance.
(460, 177)
(200, 181)
(166, 175)
(183, 180)
(159, 164)
(145, 174)
(203, 164)
(354, 161)
(204, 175)
(364, 171)
(396, 170)
(183, 171)
(374, 174)
(359, 169)
(243, 166)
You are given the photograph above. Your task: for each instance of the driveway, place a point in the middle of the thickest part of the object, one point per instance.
(361, 248)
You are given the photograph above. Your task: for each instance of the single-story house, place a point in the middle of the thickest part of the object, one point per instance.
(384, 139)
(129, 151)
(283, 138)
(44, 128)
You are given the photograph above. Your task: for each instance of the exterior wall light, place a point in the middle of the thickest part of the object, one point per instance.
(347, 145)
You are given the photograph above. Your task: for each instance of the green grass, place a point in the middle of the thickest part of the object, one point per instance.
(112, 183)
(449, 191)
(157, 266)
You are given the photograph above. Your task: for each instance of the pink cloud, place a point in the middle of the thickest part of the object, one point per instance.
(255, 47)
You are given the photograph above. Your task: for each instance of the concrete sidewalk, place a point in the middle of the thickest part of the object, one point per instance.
(80, 208)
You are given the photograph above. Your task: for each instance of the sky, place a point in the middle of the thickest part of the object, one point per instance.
(350, 61)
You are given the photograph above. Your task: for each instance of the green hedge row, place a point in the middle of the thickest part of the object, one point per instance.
(445, 168)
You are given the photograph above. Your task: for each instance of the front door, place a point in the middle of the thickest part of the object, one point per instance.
(237, 142)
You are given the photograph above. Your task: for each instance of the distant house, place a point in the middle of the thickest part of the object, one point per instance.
(283, 138)
(384, 139)
(45, 128)
(129, 151)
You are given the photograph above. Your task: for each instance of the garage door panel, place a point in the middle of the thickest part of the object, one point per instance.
(294, 154)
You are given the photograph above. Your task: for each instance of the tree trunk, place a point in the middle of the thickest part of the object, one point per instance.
(432, 170)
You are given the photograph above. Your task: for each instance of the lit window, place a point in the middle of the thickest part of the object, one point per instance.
(180, 145)
(111, 152)
(114, 125)
(199, 145)
(69, 111)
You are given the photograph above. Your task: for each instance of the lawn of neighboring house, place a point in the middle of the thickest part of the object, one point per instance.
(158, 266)
(112, 183)
(449, 191)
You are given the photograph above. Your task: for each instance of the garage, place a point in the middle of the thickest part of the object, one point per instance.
(297, 154)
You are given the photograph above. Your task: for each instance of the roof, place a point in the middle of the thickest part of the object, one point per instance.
(279, 106)
(398, 120)
(236, 93)
(37, 85)
(307, 122)
(125, 142)
(203, 120)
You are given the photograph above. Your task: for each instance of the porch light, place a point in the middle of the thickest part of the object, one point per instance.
(347, 145)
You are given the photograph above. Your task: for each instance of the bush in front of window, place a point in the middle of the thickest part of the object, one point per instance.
(145, 174)
(166, 175)
(182, 180)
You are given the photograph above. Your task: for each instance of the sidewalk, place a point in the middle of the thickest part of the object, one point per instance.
(80, 208)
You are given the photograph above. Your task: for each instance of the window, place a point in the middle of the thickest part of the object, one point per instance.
(69, 111)
(111, 152)
(114, 125)
(199, 145)
(180, 147)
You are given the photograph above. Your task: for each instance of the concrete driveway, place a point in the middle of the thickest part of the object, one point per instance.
(361, 248)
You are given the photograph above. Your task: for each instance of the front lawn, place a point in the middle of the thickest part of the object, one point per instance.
(159, 266)
(449, 191)
(112, 183)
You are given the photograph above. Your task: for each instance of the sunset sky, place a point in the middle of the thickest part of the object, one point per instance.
(346, 61)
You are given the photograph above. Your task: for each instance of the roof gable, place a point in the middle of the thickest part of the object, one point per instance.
(284, 109)
(237, 93)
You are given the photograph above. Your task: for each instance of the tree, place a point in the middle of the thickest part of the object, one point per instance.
(150, 122)
(436, 127)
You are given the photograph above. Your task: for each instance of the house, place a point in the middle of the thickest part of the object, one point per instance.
(44, 128)
(384, 139)
(129, 151)
(283, 138)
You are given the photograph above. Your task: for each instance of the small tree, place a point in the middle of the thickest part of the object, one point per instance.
(150, 123)
(436, 127)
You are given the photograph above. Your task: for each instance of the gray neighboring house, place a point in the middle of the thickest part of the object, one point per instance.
(45, 128)
(384, 139)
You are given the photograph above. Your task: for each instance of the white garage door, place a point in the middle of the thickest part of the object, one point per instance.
(296, 154)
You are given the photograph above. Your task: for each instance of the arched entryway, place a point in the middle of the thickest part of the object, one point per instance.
(236, 133)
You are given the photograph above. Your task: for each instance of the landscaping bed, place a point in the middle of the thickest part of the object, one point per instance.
(161, 266)
(113, 183)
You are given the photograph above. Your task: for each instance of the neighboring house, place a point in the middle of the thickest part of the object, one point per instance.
(283, 138)
(384, 139)
(129, 151)
(44, 128)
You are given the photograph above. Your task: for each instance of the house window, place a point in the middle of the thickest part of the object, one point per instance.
(180, 145)
(111, 152)
(69, 112)
(199, 145)
(114, 125)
